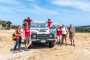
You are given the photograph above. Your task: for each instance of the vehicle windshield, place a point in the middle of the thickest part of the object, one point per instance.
(38, 25)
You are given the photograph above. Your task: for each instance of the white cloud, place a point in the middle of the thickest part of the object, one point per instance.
(15, 6)
(45, 11)
(78, 4)
(38, 11)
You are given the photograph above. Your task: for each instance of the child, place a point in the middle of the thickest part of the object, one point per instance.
(17, 38)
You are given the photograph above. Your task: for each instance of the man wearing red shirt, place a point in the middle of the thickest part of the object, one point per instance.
(49, 23)
(58, 33)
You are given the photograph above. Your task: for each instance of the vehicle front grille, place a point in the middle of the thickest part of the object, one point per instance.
(42, 36)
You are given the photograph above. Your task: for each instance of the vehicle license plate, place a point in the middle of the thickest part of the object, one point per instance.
(43, 41)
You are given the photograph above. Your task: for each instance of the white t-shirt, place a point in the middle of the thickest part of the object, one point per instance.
(64, 30)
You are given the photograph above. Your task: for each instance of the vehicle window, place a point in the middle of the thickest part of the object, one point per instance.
(38, 25)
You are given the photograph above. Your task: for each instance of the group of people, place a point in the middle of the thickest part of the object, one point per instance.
(20, 33)
(61, 34)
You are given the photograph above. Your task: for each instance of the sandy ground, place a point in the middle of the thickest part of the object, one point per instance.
(80, 52)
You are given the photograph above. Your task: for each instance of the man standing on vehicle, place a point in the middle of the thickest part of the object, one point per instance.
(49, 24)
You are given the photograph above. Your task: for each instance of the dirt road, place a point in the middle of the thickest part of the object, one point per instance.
(80, 52)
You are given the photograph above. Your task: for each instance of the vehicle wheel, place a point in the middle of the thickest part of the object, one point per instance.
(51, 45)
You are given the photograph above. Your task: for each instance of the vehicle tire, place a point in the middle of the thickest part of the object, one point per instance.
(51, 45)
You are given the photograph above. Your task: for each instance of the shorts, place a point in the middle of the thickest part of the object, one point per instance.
(59, 39)
(64, 35)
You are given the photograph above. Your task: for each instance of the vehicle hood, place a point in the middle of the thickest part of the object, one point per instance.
(40, 30)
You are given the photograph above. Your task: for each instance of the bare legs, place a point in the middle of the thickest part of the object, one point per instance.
(27, 42)
(64, 39)
(72, 40)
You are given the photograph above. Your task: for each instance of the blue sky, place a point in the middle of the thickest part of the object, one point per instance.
(76, 12)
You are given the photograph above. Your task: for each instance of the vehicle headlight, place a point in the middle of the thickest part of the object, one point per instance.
(34, 36)
(50, 36)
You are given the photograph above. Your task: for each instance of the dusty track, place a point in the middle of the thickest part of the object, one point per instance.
(80, 52)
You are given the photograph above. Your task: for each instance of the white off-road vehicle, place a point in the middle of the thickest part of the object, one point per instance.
(41, 34)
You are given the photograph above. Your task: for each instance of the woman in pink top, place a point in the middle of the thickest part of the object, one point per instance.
(27, 34)
(58, 34)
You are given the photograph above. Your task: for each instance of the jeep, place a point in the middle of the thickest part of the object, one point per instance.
(41, 34)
